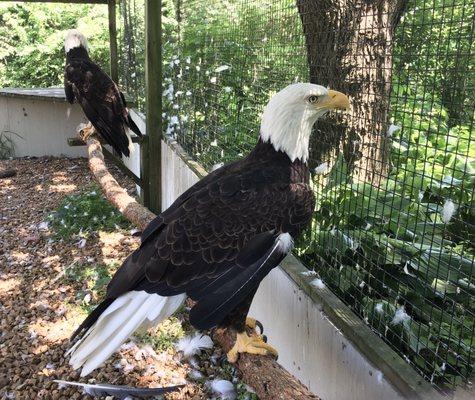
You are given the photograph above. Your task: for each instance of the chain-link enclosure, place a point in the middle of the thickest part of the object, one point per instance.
(393, 233)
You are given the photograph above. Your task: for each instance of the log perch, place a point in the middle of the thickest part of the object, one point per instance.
(268, 378)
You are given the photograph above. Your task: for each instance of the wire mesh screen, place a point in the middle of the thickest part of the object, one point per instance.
(131, 40)
(393, 231)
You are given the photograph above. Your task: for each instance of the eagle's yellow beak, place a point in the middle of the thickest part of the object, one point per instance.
(334, 101)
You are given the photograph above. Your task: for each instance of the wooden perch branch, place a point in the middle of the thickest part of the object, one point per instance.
(268, 378)
(115, 194)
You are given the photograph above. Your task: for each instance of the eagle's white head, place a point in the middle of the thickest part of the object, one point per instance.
(289, 116)
(74, 38)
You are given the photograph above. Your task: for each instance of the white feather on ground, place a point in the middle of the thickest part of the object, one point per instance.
(131, 311)
(223, 388)
(193, 345)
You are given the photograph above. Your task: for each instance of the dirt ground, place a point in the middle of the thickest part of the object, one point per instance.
(38, 307)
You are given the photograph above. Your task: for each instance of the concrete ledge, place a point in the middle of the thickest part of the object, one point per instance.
(49, 94)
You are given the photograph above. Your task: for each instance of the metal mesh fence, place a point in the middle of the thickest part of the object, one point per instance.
(393, 232)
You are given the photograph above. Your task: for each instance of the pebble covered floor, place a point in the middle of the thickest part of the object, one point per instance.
(39, 307)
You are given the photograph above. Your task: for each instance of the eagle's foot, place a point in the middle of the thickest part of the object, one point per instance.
(85, 130)
(252, 323)
(252, 344)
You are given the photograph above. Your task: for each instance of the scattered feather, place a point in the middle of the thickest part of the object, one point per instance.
(318, 283)
(191, 346)
(120, 392)
(214, 143)
(401, 317)
(43, 226)
(82, 243)
(221, 68)
(216, 166)
(321, 169)
(392, 129)
(128, 346)
(223, 388)
(87, 298)
(448, 211)
(213, 79)
(195, 375)
(135, 231)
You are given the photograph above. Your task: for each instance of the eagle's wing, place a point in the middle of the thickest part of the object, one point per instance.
(217, 244)
(101, 101)
(68, 90)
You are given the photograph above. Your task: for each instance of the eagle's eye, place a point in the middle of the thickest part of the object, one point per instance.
(312, 99)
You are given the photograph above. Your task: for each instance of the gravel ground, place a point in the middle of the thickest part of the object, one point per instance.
(39, 307)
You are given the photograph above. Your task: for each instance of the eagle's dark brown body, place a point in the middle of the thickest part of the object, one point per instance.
(212, 242)
(101, 100)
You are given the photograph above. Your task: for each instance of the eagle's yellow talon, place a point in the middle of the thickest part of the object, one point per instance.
(251, 323)
(250, 344)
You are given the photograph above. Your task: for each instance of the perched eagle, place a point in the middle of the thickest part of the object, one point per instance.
(100, 98)
(219, 239)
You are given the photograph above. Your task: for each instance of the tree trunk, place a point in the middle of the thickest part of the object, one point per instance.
(349, 48)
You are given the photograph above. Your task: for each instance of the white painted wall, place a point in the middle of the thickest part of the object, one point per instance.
(40, 127)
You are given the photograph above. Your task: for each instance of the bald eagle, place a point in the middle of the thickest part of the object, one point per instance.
(100, 98)
(219, 239)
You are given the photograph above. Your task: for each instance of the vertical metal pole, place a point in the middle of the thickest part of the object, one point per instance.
(153, 80)
(111, 5)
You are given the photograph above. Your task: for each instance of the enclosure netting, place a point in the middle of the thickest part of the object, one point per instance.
(393, 230)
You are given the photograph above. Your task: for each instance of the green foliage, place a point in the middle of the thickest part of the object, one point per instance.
(217, 79)
(165, 336)
(81, 214)
(93, 278)
(32, 36)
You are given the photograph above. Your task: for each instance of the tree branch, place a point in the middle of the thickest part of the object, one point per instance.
(268, 378)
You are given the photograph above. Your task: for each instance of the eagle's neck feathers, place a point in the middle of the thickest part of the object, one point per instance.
(77, 53)
(288, 127)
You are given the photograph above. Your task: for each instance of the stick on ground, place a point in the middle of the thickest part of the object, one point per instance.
(7, 173)
(268, 378)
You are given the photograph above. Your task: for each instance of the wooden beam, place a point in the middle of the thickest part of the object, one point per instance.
(60, 1)
(153, 79)
(114, 63)
(74, 141)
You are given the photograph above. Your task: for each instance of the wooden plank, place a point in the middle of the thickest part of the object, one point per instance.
(74, 141)
(114, 63)
(153, 78)
(144, 172)
(61, 1)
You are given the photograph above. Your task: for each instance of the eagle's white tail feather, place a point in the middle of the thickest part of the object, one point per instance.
(123, 317)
